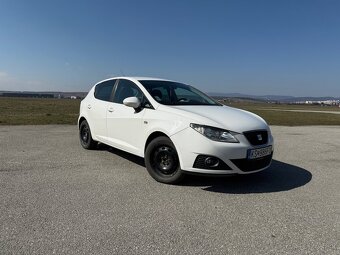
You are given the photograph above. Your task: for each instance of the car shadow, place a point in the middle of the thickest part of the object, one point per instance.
(278, 177)
(133, 158)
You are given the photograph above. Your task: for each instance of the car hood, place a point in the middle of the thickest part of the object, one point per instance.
(229, 118)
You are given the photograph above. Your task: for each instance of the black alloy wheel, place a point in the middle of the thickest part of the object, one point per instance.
(162, 161)
(85, 136)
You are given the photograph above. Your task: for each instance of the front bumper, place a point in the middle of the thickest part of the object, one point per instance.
(191, 145)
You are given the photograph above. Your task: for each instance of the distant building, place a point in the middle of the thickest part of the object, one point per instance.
(325, 102)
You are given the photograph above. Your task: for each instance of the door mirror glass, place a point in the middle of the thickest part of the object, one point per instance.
(133, 102)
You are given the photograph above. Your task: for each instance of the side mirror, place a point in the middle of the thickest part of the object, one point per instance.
(133, 102)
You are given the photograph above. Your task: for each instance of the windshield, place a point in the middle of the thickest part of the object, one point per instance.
(174, 93)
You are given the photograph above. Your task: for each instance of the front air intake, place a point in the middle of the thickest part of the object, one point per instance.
(209, 162)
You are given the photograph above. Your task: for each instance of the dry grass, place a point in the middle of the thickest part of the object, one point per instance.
(37, 111)
(286, 118)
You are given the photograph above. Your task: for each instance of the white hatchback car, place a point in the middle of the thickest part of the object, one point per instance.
(175, 127)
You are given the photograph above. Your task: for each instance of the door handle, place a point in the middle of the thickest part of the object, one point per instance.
(111, 109)
(89, 106)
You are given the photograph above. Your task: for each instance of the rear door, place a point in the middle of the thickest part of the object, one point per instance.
(97, 109)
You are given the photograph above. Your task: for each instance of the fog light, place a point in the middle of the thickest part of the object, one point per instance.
(211, 162)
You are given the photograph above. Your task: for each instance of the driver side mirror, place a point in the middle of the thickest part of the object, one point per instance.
(133, 102)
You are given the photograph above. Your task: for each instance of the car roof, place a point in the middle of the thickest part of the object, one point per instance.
(142, 78)
(135, 78)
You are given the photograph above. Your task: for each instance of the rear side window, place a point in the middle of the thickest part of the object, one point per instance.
(103, 90)
(126, 89)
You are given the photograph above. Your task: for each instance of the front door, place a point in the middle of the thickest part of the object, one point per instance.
(124, 124)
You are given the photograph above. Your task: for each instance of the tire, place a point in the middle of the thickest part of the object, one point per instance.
(161, 161)
(85, 136)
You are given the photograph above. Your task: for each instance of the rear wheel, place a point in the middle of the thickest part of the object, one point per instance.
(85, 136)
(162, 161)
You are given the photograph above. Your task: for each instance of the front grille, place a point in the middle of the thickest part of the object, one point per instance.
(257, 137)
(200, 163)
(248, 165)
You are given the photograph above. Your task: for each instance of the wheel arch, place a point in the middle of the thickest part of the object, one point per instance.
(156, 134)
(81, 119)
(152, 136)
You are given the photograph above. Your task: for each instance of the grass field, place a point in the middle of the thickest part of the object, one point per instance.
(282, 115)
(37, 111)
(251, 105)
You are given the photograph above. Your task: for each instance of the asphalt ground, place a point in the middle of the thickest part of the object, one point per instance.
(57, 198)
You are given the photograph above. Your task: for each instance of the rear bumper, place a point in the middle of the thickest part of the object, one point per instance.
(192, 147)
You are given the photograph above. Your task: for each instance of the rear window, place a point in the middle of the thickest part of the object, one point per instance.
(103, 90)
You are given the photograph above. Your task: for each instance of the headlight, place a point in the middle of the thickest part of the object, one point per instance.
(215, 134)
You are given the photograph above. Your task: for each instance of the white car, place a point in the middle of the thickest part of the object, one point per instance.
(175, 127)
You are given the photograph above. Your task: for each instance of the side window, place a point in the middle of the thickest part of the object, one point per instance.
(160, 94)
(126, 89)
(103, 90)
(185, 95)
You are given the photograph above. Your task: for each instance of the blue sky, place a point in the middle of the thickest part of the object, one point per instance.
(288, 47)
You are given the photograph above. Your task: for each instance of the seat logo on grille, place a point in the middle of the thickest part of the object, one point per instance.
(259, 137)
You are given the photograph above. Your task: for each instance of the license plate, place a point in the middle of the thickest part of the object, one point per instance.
(259, 153)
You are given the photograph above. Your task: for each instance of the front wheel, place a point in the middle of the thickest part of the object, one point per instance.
(162, 161)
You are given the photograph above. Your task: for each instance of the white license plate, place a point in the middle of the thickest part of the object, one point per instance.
(259, 153)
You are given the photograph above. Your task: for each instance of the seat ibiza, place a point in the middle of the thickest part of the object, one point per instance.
(175, 127)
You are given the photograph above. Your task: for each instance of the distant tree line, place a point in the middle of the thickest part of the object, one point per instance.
(34, 95)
